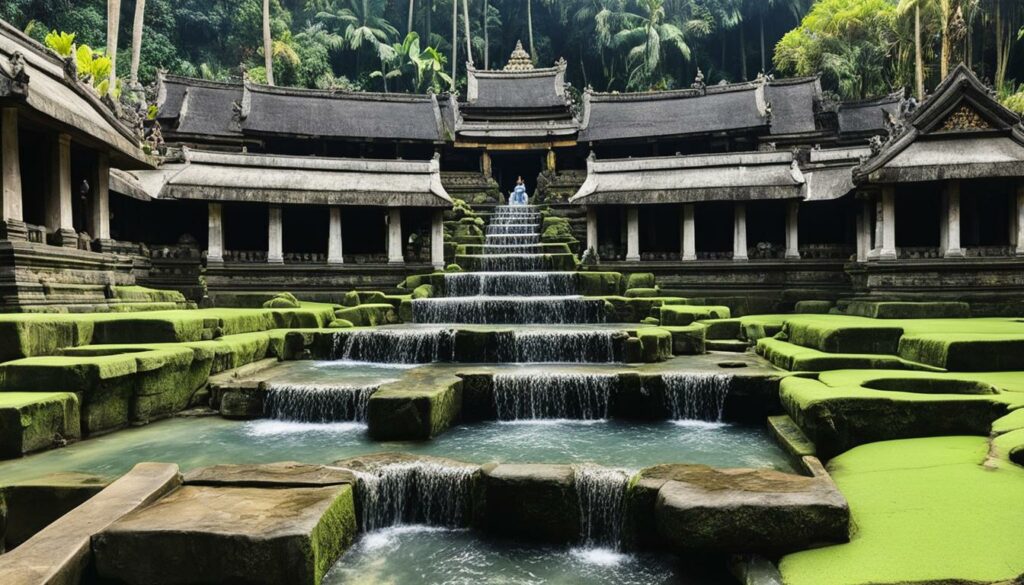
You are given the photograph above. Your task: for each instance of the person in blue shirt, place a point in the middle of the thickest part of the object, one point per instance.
(519, 193)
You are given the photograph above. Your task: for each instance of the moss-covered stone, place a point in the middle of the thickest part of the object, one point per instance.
(340, 324)
(643, 292)
(423, 291)
(282, 301)
(681, 315)
(33, 421)
(640, 280)
(656, 344)
(369, 315)
(908, 310)
(29, 335)
(351, 299)
(839, 334)
(634, 310)
(688, 339)
(599, 283)
(805, 359)
(538, 502)
(965, 352)
(813, 307)
(141, 294)
(419, 406)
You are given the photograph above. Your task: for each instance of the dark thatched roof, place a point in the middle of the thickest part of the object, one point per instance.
(336, 114)
(198, 107)
(516, 90)
(867, 117)
(793, 103)
(673, 113)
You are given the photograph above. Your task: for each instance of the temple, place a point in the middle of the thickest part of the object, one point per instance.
(763, 188)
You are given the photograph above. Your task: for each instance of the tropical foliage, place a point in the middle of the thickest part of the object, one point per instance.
(860, 48)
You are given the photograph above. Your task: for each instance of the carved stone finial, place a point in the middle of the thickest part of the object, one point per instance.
(519, 60)
(698, 81)
(19, 77)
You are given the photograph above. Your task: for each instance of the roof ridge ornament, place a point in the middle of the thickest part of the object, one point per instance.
(519, 60)
(698, 82)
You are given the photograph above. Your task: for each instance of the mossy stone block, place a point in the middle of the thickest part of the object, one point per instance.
(965, 352)
(27, 335)
(687, 339)
(642, 293)
(599, 283)
(369, 315)
(679, 315)
(351, 299)
(538, 502)
(165, 383)
(813, 307)
(340, 324)
(418, 407)
(656, 344)
(640, 280)
(34, 421)
(423, 291)
(908, 310)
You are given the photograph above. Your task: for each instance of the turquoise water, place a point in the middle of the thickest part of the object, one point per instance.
(201, 441)
(420, 555)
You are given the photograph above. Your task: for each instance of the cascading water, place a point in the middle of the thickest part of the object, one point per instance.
(415, 492)
(317, 403)
(508, 310)
(544, 395)
(395, 346)
(568, 346)
(601, 492)
(530, 284)
(696, 395)
(506, 262)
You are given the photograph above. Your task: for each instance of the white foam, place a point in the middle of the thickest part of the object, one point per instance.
(602, 557)
(387, 537)
(699, 424)
(269, 428)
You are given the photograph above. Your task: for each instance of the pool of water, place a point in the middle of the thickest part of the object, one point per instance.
(417, 555)
(340, 373)
(200, 441)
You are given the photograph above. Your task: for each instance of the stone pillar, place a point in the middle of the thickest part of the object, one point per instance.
(99, 224)
(215, 234)
(1020, 220)
(395, 255)
(334, 241)
(688, 234)
(792, 230)
(888, 251)
(12, 225)
(632, 234)
(864, 231)
(275, 236)
(437, 239)
(949, 229)
(485, 164)
(59, 220)
(550, 161)
(592, 228)
(739, 233)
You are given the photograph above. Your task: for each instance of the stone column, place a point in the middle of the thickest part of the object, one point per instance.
(864, 231)
(437, 239)
(550, 161)
(792, 230)
(1020, 220)
(949, 229)
(688, 234)
(275, 236)
(99, 224)
(59, 220)
(334, 241)
(632, 234)
(592, 228)
(888, 251)
(395, 254)
(12, 225)
(215, 234)
(739, 233)
(485, 164)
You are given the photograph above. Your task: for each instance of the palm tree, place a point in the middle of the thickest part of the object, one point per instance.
(529, 28)
(268, 50)
(133, 75)
(113, 16)
(365, 27)
(455, 40)
(648, 42)
(469, 41)
(412, 9)
(904, 7)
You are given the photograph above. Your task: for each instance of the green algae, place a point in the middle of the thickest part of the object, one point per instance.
(925, 510)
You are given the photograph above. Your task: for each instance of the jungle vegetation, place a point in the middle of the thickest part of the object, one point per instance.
(861, 48)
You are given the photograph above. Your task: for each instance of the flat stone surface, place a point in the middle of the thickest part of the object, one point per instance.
(217, 534)
(33, 504)
(377, 460)
(746, 510)
(282, 474)
(59, 553)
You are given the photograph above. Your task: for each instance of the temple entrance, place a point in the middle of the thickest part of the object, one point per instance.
(506, 166)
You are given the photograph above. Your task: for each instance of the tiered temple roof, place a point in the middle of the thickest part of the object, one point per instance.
(32, 76)
(198, 108)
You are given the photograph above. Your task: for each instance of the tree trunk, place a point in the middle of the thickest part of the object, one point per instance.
(133, 74)
(918, 57)
(743, 53)
(764, 67)
(412, 9)
(469, 40)
(946, 49)
(1001, 43)
(529, 29)
(113, 16)
(455, 40)
(429, 29)
(268, 45)
(487, 39)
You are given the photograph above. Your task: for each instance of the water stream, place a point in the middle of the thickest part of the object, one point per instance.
(414, 492)
(544, 395)
(696, 395)
(317, 403)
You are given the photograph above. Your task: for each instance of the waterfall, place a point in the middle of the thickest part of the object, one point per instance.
(513, 248)
(512, 228)
(553, 395)
(566, 346)
(601, 492)
(529, 284)
(317, 403)
(506, 310)
(512, 239)
(395, 346)
(506, 262)
(415, 492)
(696, 395)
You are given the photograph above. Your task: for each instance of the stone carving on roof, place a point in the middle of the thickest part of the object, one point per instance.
(698, 81)
(965, 118)
(17, 80)
(519, 60)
